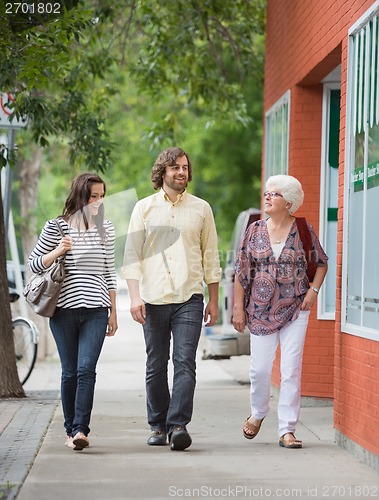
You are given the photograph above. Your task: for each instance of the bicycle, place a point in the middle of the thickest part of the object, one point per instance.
(25, 336)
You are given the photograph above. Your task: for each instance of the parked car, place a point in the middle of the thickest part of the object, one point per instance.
(227, 341)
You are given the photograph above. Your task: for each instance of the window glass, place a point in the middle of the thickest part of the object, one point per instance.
(371, 260)
(355, 237)
(330, 188)
(362, 263)
(276, 137)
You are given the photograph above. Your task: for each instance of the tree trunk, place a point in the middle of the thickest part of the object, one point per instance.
(29, 171)
(10, 385)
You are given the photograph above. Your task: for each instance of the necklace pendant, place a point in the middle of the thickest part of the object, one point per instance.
(277, 242)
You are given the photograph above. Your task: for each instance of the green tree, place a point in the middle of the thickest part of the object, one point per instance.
(38, 65)
(192, 55)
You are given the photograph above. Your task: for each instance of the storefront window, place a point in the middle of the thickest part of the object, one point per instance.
(362, 252)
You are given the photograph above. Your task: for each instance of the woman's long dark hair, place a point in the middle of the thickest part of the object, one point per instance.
(78, 198)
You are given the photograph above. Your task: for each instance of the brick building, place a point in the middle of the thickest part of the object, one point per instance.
(321, 105)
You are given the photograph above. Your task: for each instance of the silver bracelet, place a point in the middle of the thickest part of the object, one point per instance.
(315, 289)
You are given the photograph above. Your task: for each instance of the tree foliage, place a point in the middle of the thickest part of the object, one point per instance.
(173, 49)
(179, 65)
(46, 69)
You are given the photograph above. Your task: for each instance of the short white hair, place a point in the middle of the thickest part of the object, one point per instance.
(289, 187)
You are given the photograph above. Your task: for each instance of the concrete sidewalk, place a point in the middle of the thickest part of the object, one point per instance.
(220, 462)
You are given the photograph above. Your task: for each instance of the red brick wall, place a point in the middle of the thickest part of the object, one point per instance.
(300, 36)
(356, 382)
(305, 41)
(356, 403)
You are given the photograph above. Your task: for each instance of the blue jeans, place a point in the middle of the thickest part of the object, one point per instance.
(79, 335)
(184, 322)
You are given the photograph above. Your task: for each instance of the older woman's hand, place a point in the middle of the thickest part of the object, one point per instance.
(239, 320)
(309, 299)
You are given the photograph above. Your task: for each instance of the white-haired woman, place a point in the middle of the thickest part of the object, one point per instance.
(273, 297)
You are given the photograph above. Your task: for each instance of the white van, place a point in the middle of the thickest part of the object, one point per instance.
(226, 341)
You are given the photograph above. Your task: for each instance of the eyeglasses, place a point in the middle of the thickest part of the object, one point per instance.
(272, 194)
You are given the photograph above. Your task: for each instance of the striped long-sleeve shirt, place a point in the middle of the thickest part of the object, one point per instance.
(89, 265)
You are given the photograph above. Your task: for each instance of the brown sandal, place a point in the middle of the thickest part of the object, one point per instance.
(291, 442)
(251, 427)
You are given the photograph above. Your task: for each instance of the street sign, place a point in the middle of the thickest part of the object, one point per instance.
(6, 100)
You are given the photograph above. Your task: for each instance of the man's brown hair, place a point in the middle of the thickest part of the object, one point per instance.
(166, 158)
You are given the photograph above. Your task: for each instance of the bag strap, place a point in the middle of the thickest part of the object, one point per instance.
(59, 227)
(305, 236)
(62, 257)
(306, 240)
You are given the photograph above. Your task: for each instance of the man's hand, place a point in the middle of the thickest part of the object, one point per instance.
(138, 310)
(211, 312)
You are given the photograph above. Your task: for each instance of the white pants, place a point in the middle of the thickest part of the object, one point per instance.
(263, 349)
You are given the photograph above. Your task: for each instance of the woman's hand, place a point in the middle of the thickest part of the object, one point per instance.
(112, 319)
(112, 325)
(309, 299)
(311, 296)
(64, 245)
(238, 320)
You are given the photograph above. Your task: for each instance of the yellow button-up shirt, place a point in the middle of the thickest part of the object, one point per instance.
(171, 248)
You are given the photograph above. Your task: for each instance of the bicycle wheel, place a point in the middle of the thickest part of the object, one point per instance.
(25, 346)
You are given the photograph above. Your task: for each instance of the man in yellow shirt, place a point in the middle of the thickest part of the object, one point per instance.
(171, 251)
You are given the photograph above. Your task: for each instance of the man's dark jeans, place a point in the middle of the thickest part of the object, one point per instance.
(79, 335)
(184, 322)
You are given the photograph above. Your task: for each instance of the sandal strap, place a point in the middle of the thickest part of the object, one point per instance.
(294, 440)
(251, 427)
(254, 429)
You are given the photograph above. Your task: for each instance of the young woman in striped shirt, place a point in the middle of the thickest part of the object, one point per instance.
(86, 309)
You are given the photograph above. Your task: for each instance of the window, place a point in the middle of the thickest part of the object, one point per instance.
(326, 303)
(277, 137)
(361, 236)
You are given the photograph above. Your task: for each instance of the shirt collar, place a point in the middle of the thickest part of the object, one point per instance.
(179, 198)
